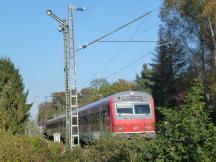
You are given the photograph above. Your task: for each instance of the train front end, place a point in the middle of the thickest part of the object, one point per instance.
(133, 112)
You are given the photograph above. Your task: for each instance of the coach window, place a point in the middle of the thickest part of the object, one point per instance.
(81, 120)
(108, 111)
(97, 121)
(104, 116)
(94, 121)
(85, 122)
(142, 108)
(89, 119)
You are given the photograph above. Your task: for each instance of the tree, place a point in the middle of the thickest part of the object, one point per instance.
(185, 134)
(45, 112)
(58, 102)
(13, 98)
(50, 109)
(144, 80)
(118, 86)
(168, 68)
(196, 27)
(98, 83)
(87, 95)
(33, 129)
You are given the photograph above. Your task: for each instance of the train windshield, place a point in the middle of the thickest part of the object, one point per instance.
(141, 108)
(124, 109)
(133, 108)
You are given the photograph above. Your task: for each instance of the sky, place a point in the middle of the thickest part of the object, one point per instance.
(32, 41)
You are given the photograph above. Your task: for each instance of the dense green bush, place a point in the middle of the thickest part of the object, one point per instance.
(13, 148)
(185, 134)
(109, 149)
(24, 149)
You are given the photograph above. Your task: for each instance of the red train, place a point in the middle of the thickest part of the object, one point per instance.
(124, 113)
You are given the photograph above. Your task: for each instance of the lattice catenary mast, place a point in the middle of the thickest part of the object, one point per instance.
(72, 118)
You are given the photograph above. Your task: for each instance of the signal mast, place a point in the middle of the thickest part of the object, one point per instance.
(72, 118)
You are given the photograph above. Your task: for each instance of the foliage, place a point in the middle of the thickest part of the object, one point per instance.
(16, 148)
(185, 134)
(58, 102)
(102, 88)
(24, 149)
(109, 149)
(32, 129)
(193, 22)
(145, 81)
(49, 109)
(12, 98)
(98, 83)
(56, 150)
(169, 69)
(2, 120)
(45, 111)
(118, 86)
(87, 95)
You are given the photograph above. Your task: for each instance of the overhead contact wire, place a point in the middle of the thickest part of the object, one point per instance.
(106, 35)
(118, 51)
(126, 66)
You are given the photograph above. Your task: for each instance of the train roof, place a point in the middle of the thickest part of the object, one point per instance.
(56, 118)
(115, 96)
(94, 104)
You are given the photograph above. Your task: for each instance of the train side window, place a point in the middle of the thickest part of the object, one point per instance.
(85, 120)
(92, 118)
(97, 124)
(104, 114)
(97, 116)
(89, 119)
(108, 111)
(80, 120)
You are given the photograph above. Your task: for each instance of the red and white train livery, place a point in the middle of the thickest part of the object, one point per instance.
(126, 113)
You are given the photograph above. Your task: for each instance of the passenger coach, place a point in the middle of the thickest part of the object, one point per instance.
(124, 113)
